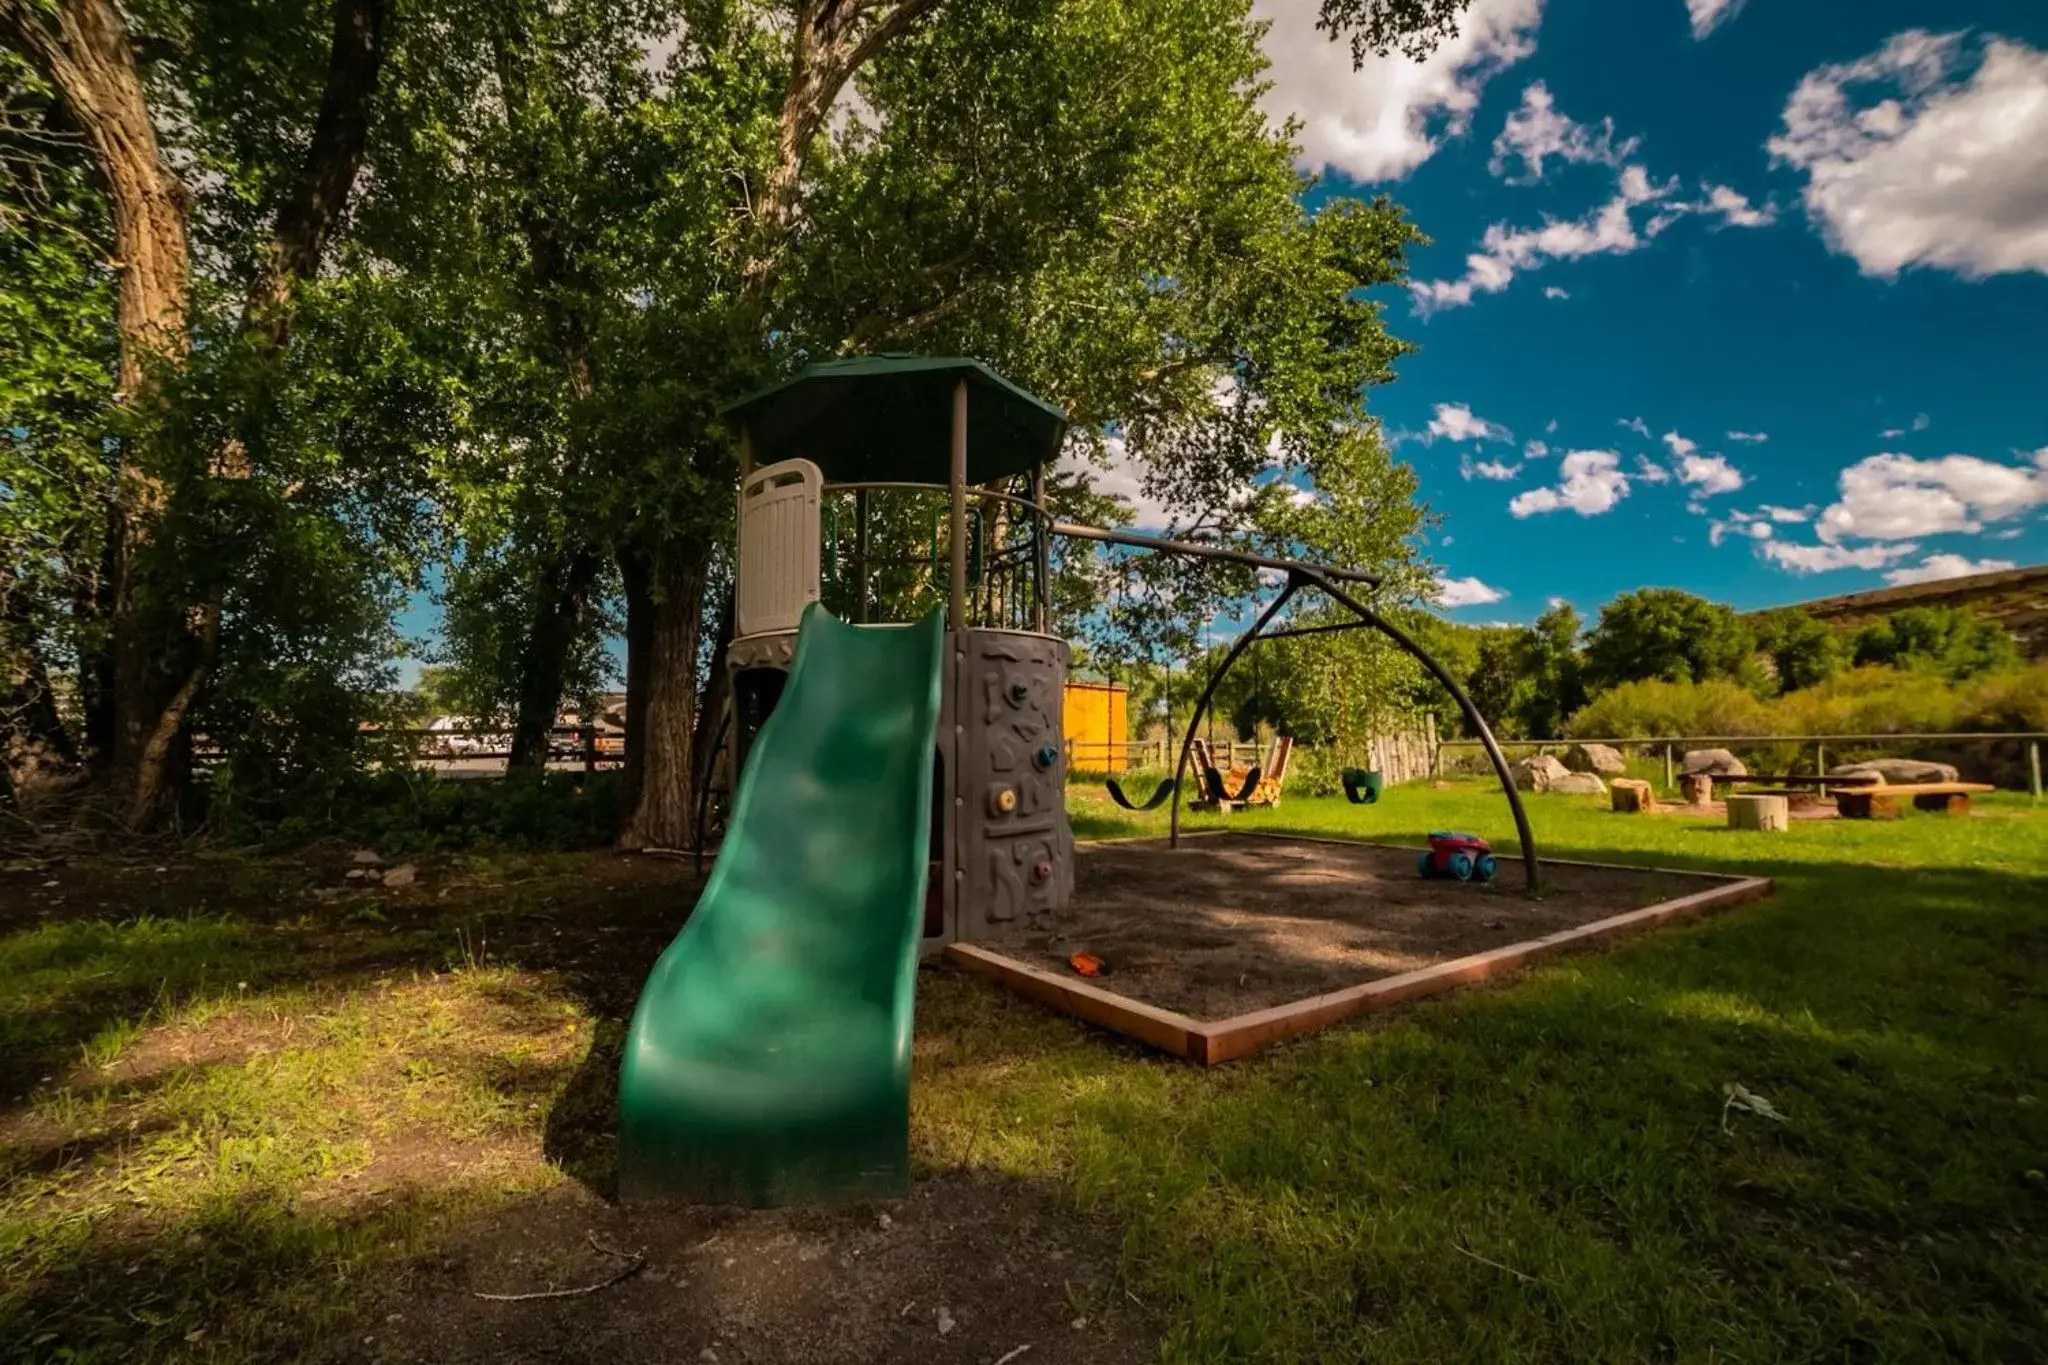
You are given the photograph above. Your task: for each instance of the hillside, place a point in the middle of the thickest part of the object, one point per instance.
(2016, 599)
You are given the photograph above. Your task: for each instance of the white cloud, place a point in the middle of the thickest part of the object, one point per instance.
(1555, 292)
(1593, 483)
(1507, 251)
(1550, 427)
(1921, 421)
(1537, 132)
(1788, 515)
(1896, 497)
(1710, 474)
(1911, 162)
(1679, 445)
(1383, 120)
(1465, 592)
(1739, 524)
(1491, 469)
(1635, 424)
(1937, 567)
(1649, 471)
(1734, 208)
(1891, 433)
(1708, 15)
(1456, 422)
(1123, 479)
(1749, 437)
(1823, 558)
(1536, 450)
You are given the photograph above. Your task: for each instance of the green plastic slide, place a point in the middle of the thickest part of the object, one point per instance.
(768, 1060)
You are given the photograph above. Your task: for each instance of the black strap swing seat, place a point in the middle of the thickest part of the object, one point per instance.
(1220, 793)
(1153, 802)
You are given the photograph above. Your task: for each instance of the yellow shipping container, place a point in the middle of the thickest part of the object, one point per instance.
(1094, 720)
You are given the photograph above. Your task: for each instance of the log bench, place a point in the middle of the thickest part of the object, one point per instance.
(1882, 802)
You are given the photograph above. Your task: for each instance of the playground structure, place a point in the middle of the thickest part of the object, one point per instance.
(868, 828)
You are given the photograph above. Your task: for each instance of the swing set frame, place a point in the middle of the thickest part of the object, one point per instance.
(1325, 580)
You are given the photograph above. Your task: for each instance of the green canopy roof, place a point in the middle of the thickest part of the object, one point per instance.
(889, 419)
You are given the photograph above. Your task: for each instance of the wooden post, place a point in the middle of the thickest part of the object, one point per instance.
(1762, 813)
(588, 733)
(958, 488)
(1820, 760)
(2034, 767)
(1669, 779)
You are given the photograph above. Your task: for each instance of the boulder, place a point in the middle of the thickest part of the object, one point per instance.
(1538, 773)
(402, 875)
(1718, 762)
(1633, 796)
(1579, 784)
(1604, 759)
(1897, 771)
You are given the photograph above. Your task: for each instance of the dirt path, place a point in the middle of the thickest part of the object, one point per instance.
(967, 1269)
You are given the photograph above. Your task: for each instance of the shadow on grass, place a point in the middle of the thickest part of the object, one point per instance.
(1539, 1169)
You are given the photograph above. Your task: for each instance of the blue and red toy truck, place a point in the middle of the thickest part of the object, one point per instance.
(1463, 857)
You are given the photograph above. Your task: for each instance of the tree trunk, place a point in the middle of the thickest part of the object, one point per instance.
(82, 46)
(299, 236)
(92, 607)
(664, 814)
(717, 695)
(33, 739)
(160, 653)
(544, 660)
(637, 574)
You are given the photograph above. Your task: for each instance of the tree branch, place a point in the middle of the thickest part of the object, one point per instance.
(892, 24)
(334, 156)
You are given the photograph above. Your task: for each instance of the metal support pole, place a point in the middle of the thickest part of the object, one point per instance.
(957, 487)
(1187, 744)
(860, 556)
(1820, 760)
(1669, 776)
(2034, 767)
(739, 525)
(1532, 874)
(1041, 554)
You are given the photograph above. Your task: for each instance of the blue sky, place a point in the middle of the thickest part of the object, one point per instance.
(1817, 222)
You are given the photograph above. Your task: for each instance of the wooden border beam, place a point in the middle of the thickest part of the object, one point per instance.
(1208, 1042)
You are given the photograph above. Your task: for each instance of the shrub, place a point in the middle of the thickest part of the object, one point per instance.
(1868, 700)
(1874, 701)
(1656, 707)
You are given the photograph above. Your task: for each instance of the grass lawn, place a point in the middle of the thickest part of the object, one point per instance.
(238, 1099)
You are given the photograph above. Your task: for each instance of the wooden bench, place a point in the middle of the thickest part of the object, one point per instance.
(1699, 787)
(1882, 802)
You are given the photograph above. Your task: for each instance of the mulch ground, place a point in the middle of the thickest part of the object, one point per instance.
(1228, 924)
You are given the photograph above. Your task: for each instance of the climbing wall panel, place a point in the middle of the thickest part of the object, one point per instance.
(1012, 843)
